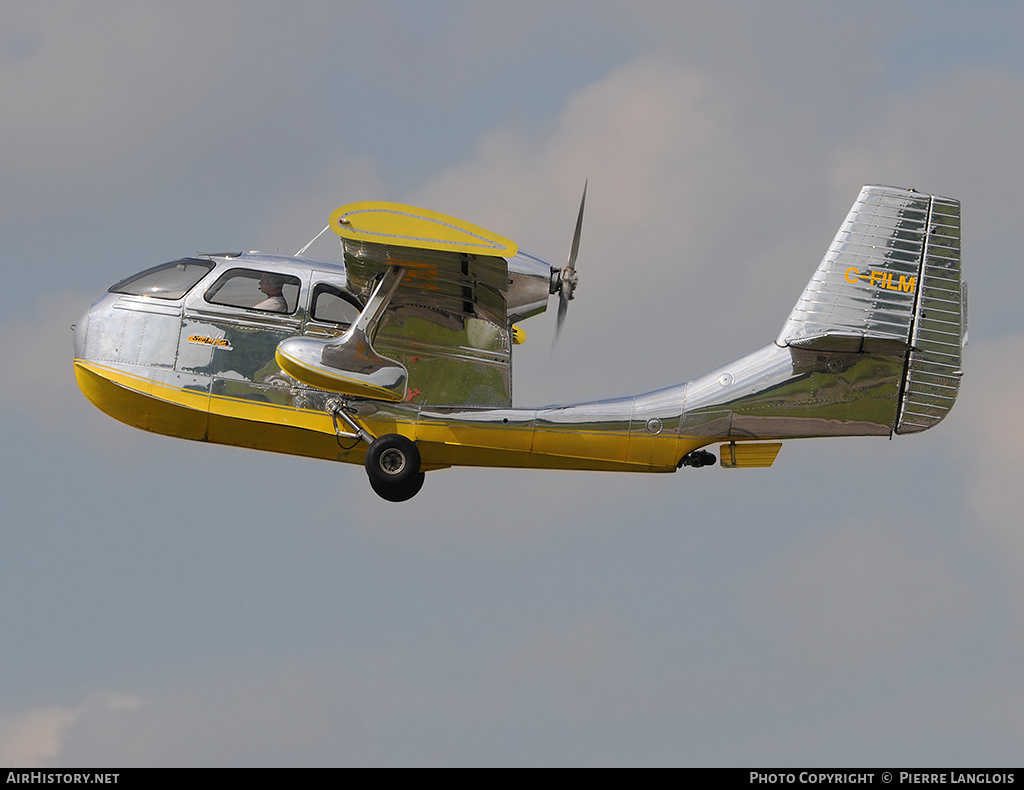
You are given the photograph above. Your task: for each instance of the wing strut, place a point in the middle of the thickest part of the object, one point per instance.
(310, 242)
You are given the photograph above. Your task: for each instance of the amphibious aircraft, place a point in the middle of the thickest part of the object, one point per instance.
(399, 355)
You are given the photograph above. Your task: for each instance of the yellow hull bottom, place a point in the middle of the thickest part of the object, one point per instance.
(199, 416)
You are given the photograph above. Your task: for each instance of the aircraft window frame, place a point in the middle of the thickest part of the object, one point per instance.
(182, 285)
(292, 284)
(321, 289)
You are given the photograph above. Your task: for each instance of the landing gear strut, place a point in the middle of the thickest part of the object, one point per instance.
(392, 461)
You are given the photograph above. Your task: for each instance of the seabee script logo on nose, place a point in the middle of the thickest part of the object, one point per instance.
(209, 341)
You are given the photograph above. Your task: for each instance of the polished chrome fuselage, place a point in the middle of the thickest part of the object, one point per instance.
(873, 347)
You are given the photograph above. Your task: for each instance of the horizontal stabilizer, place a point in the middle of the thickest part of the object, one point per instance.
(745, 456)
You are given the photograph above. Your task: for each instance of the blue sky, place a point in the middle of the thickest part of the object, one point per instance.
(172, 603)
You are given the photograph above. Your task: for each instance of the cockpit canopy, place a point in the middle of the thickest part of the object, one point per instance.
(167, 281)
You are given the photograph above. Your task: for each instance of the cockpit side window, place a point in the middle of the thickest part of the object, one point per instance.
(167, 281)
(256, 290)
(333, 305)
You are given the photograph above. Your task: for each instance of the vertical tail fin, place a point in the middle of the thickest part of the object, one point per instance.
(890, 283)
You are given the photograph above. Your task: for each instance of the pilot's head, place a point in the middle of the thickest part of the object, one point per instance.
(271, 284)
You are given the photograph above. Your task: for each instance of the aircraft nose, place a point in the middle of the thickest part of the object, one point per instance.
(80, 329)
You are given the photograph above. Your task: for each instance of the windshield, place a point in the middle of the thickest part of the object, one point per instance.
(166, 281)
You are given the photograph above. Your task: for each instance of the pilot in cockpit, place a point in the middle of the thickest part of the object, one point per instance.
(271, 285)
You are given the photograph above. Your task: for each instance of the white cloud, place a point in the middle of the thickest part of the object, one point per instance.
(336, 710)
(634, 134)
(34, 738)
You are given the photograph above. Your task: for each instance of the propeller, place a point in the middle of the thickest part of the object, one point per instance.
(563, 281)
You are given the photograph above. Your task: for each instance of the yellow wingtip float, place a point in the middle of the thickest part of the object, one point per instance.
(395, 224)
(399, 356)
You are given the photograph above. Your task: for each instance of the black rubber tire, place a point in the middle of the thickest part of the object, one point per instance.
(392, 460)
(399, 492)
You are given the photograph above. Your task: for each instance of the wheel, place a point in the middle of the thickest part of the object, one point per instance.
(392, 460)
(399, 492)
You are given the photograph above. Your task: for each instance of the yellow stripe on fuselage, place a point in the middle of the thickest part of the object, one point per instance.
(177, 411)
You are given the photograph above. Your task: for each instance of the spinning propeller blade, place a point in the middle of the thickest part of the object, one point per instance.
(564, 282)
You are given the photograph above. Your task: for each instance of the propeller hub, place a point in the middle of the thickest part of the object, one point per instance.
(569, 279)
(563, 282)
